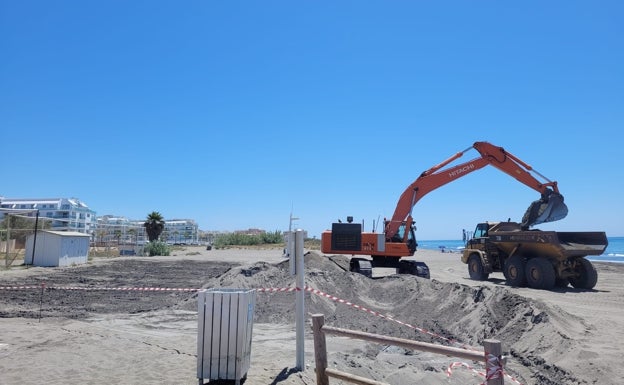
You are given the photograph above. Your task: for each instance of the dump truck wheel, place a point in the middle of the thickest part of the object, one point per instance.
(587, 275)
(540, 274)
(514, 271)
(476, 269)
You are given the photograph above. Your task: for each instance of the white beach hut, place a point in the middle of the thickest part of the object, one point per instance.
(57, 248)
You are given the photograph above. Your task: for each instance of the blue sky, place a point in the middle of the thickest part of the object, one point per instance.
(233, 113)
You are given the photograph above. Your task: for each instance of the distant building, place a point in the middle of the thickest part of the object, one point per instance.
(63, 214)
(180, 231)
(115, 230)
(250, 232)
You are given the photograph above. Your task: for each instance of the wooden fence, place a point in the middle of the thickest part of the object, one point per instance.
(491, 355)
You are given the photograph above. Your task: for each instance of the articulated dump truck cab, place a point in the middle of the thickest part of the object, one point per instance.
(534, 258)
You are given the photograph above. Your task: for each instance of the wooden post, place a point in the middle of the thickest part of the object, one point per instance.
(493, 362)
(320, 349)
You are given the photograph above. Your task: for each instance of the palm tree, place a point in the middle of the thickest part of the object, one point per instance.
(154, 225)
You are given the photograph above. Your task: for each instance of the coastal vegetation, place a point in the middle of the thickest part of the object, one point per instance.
(157, 248)
(241, 239)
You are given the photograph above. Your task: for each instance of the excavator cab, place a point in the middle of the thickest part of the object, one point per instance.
(549, 208)
(406, 233)
(411, 239)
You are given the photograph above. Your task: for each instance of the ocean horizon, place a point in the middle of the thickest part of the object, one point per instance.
(613, 253)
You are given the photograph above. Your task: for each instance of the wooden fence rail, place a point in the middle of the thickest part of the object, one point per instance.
(491, 355)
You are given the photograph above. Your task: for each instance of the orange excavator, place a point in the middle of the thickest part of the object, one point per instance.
(398, 239)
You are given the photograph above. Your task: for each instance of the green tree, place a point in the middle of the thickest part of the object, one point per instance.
(154, 225)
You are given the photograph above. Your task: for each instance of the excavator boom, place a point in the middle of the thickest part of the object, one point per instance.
(548, 208)
(398, 239)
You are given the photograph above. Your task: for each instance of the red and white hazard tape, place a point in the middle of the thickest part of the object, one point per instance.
(277, 289)
(265, 290)
(453, 365)
(495, 371)
(494, 368)
(86, 288)
(421, 330)
(19, 287)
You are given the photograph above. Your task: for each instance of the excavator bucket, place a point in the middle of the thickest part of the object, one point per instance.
(549, 208)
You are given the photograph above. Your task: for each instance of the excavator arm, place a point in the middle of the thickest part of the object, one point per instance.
(549, 207)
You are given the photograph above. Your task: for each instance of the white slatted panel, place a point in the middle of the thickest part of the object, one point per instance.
(225, 325)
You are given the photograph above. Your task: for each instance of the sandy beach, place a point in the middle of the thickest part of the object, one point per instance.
(59, 336)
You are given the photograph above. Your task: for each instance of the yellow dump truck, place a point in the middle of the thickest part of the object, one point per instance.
(534, 258)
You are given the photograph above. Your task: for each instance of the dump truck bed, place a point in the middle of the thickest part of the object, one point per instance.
(560, 245)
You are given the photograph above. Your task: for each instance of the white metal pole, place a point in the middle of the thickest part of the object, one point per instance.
(300, 320)
(290, 250)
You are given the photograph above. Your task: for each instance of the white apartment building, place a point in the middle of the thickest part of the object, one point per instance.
(180, 231)
(63, 214)
(120, 230)
(133, 231)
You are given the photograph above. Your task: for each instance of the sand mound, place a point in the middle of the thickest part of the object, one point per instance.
(535, 333)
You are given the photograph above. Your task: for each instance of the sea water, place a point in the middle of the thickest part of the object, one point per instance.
(613, 253)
